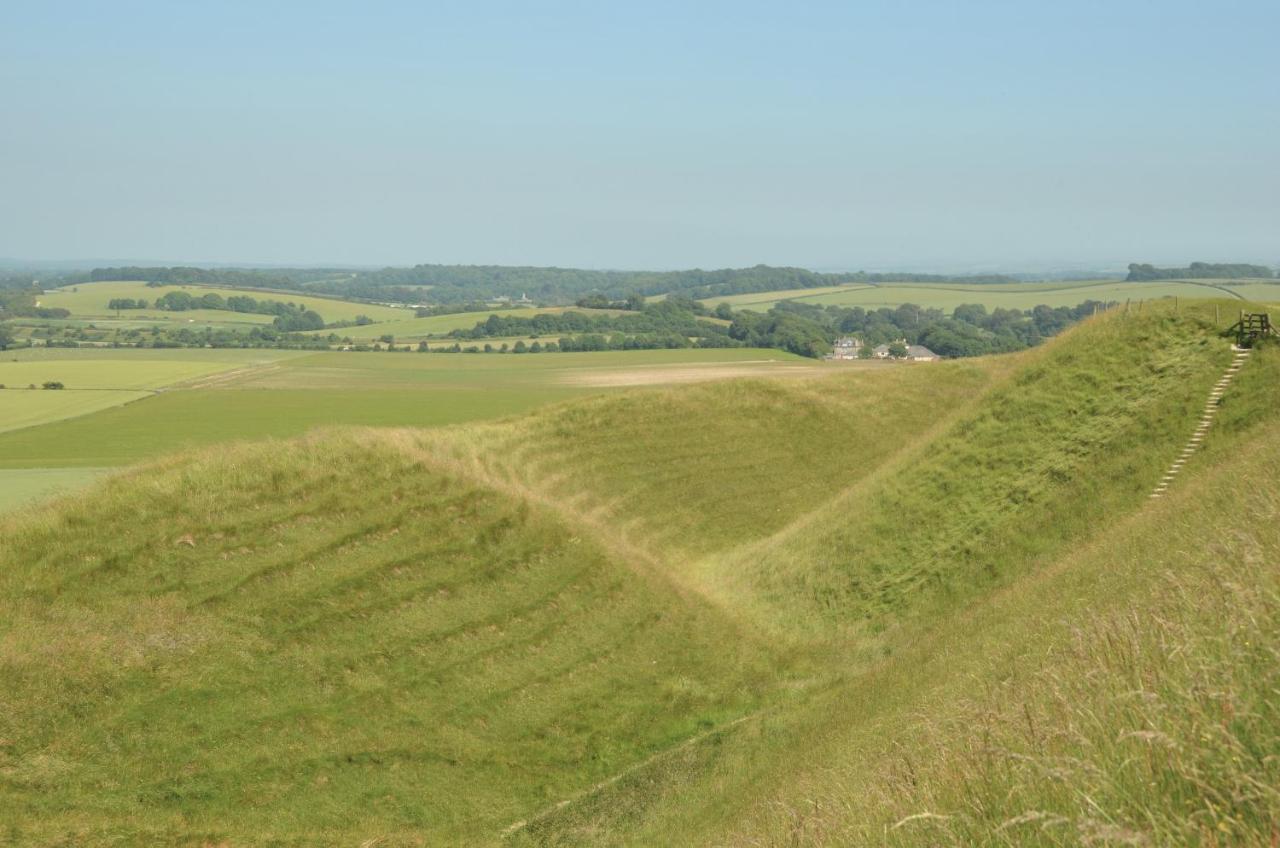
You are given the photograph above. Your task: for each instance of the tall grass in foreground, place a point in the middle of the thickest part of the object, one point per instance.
(1159, 724)
(905, 747)
(1131, 697)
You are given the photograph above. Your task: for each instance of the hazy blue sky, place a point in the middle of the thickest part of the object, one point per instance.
(645, 134)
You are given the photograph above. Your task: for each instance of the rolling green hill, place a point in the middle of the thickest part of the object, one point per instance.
(89, 301)
(922, 605)
(947, 296)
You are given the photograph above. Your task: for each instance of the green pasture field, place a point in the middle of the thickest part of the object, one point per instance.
(99, 378)
(89, 300)
(178, 420)
(346, 369)
(948, 296)
(258, 394)
(1255, 290)
(142, 319)
(23, 407)
(20, 486)
(408, 329)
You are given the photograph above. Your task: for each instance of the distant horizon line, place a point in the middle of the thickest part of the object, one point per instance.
(13, 264)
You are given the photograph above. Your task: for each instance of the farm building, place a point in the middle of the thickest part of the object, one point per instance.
(915, 353)
(920, 353)
(846, 347)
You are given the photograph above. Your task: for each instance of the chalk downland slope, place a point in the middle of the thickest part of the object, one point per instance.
(311, 641)
(828, 584)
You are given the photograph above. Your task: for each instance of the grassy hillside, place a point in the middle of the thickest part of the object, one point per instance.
(918, 605)
(693, 470)
(1079, 434)
(89, 300)
(20, 486)
(331, 638)
(1123, 695)
(947, 296)
(1117, 692)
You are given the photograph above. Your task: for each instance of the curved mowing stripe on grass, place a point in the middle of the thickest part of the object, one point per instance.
(421, 654)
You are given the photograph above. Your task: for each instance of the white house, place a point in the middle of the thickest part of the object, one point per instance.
(915, 353)
(846, 347)
(920, 353)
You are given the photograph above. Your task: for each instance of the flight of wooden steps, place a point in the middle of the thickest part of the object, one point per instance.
(1206, 420)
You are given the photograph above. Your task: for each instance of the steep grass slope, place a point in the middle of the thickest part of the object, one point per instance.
(327, 640)
(1124, 695)
(735, 613)
(696, 469)
(844, 500)
(374, 634)
(1077, 436)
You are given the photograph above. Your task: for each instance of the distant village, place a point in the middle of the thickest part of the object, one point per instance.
(849, 347)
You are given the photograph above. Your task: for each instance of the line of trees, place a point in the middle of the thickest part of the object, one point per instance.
(970, 330)
(675, 316)
(1200, 271)
(457, 285)
(283, 278)
(803, 329)
(290, 317)
(588, 342)
(465, 284)
(21, 303)
(462, 283)
(117, 304)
